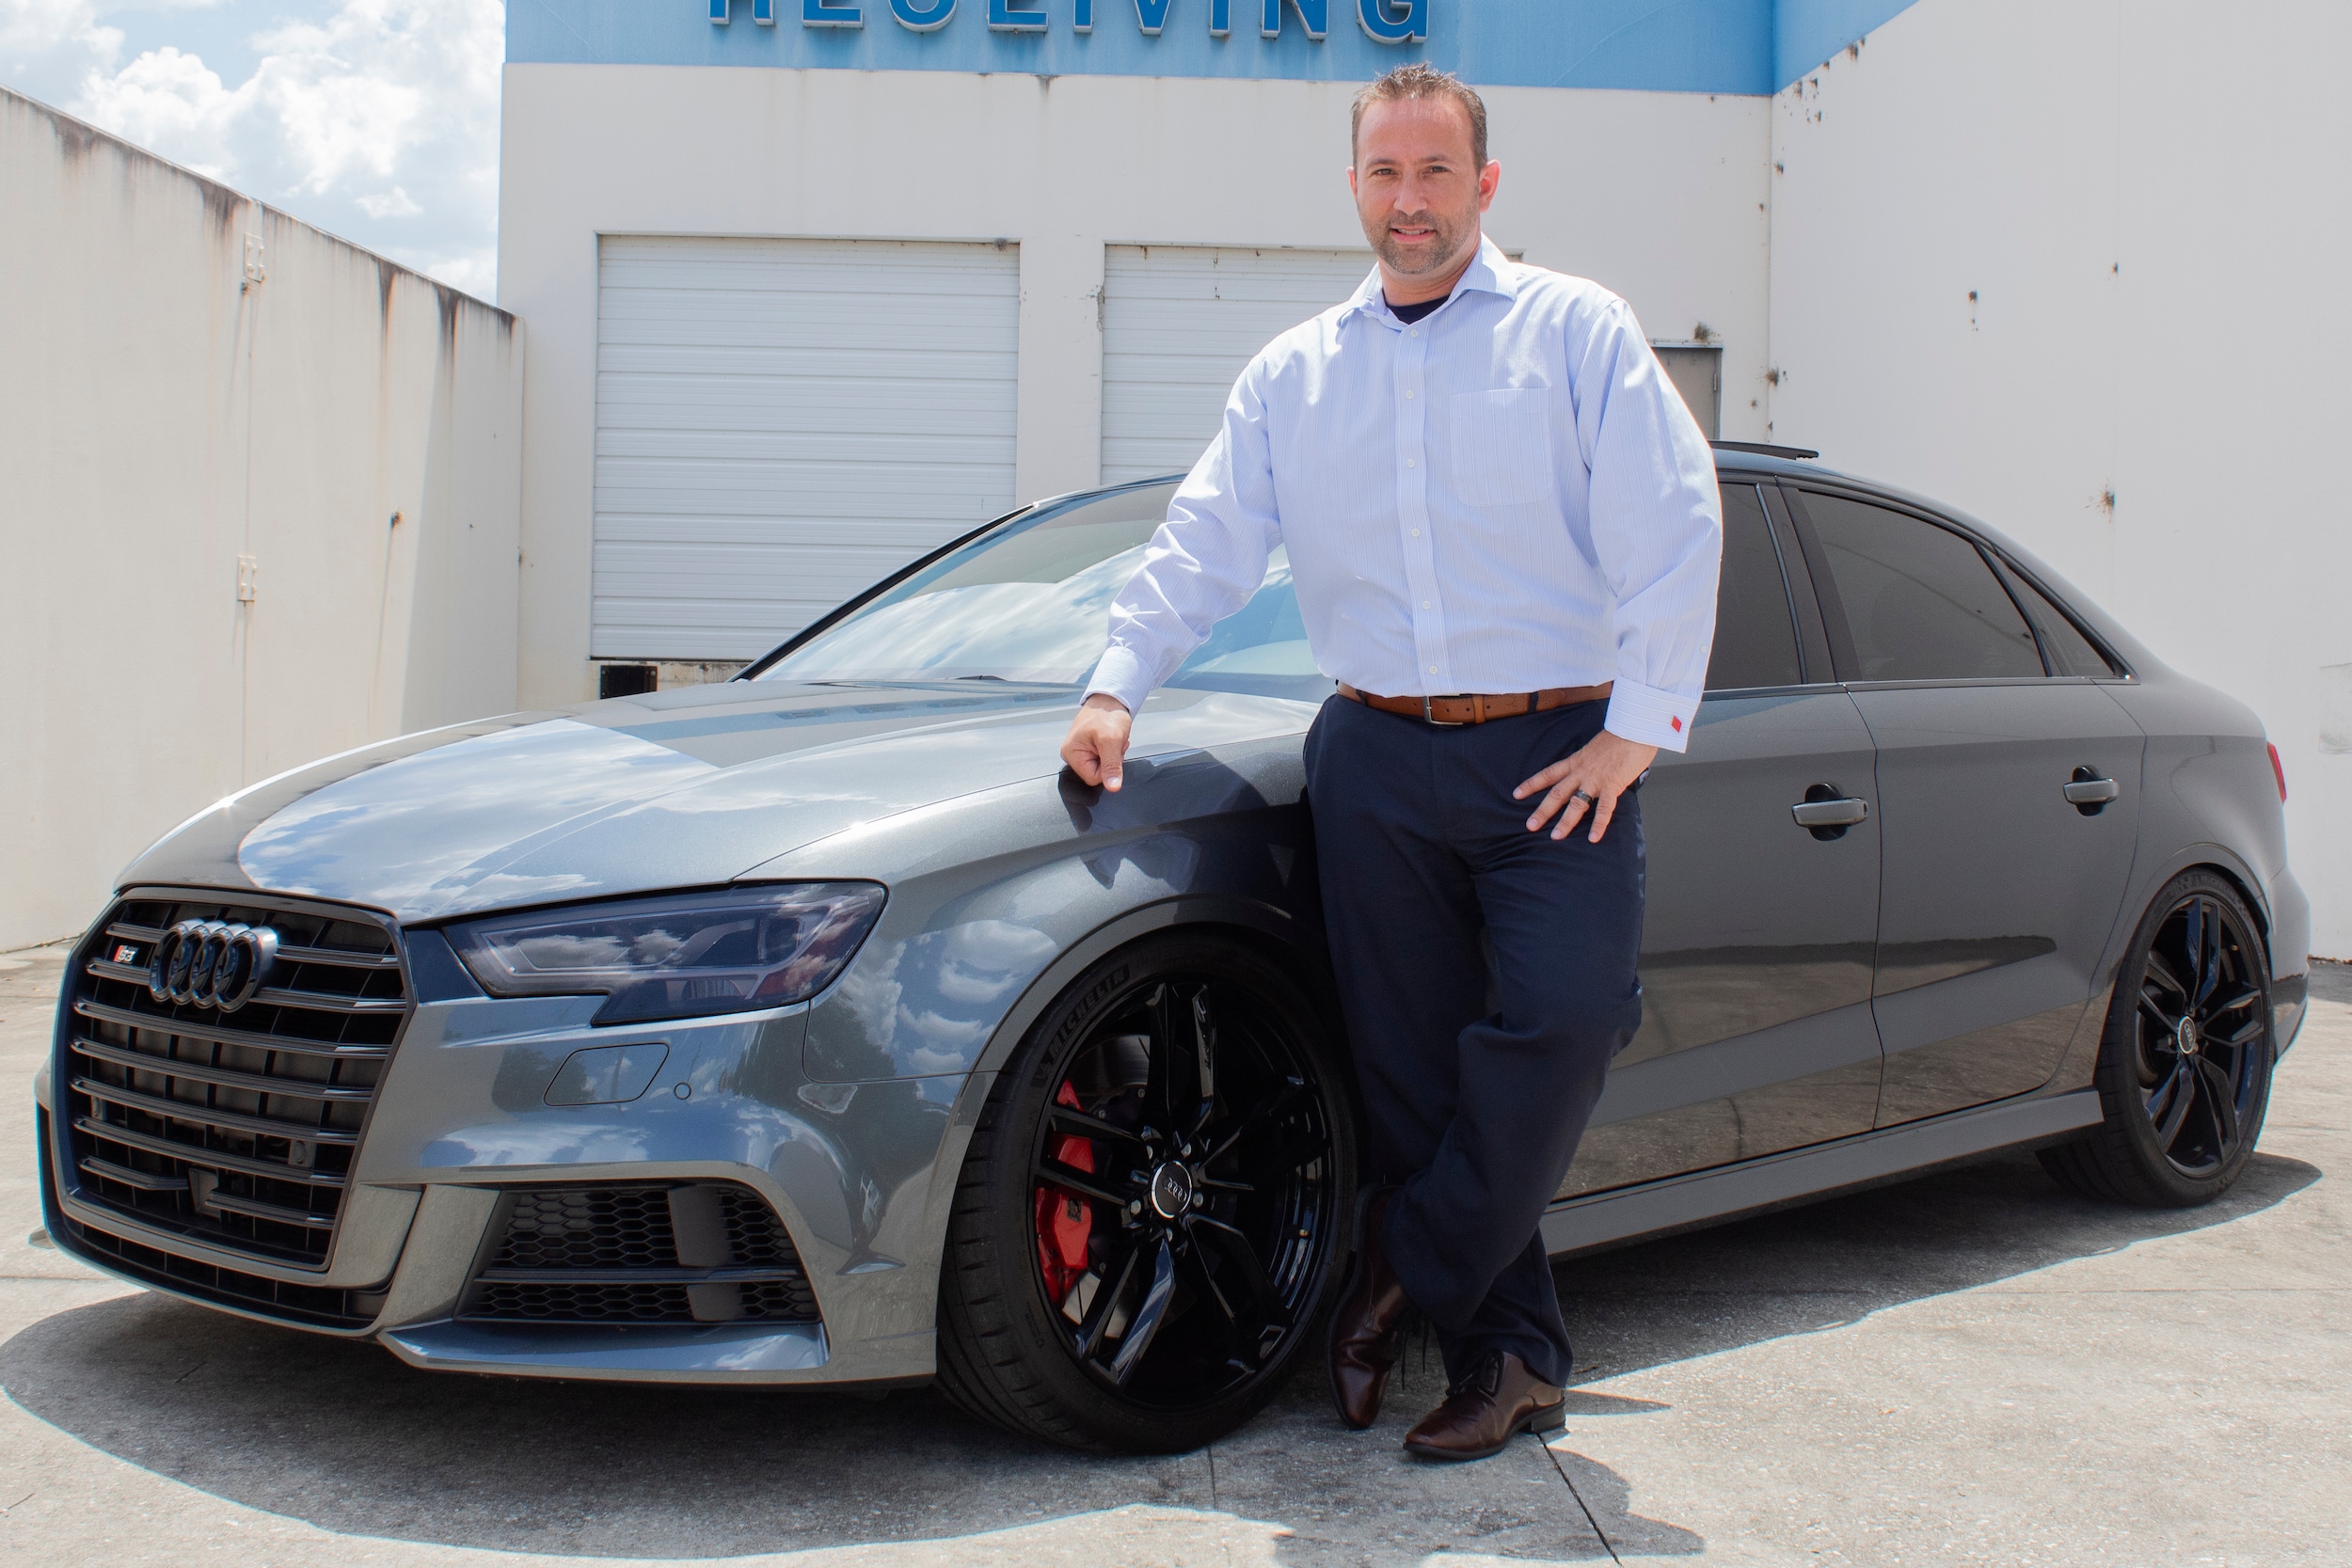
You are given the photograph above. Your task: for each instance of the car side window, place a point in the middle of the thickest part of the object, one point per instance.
(1756, 638)
(2070, 651)
(1921, 602)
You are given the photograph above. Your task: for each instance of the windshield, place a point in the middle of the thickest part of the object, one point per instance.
(1030, 602)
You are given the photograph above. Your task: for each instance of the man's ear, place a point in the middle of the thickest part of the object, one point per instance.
(1351, 179)
(1489, 179)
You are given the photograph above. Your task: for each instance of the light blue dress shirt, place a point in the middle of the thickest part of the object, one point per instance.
(1506, 496)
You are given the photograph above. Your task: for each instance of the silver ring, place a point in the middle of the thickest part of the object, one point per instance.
(1587, 797)
(211, 963)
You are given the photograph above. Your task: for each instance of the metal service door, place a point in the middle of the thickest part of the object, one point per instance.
(1757, 1033)
(2001, 888)
(1180, 322)
(782, 422)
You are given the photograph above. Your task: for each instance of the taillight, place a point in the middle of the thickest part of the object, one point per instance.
(2277, 772)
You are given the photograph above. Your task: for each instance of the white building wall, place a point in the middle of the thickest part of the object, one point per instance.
(1660, 195)
(161, 417)
(2077, 269)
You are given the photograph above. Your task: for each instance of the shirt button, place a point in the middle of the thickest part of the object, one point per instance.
(1411, 463)
(1416, 534)
(1424, 603)
(1408, 391)
(1415, 333)
(1433, 669)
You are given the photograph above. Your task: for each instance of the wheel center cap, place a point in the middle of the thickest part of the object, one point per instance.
(1171, 1190)
(2185, 1037)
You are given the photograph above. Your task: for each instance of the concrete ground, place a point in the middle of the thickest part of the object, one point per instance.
(1972, 1368)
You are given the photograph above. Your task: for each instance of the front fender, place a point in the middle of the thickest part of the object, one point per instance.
(991, 894)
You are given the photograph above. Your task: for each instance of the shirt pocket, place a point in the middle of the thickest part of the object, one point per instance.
(1503, 446)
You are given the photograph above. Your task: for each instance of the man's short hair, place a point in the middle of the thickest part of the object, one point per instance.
(1422, 81)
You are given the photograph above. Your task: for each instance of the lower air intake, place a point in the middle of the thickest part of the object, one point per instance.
(700, 1253)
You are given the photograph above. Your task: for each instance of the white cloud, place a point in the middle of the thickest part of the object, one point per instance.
(32, 31)
(378, 122)
(396, 203)
(170, 103)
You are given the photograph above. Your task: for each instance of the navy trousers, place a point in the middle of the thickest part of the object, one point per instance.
(1487, 976)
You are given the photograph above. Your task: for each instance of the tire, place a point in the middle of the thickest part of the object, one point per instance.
(1104, 1291)
(2183, 1109)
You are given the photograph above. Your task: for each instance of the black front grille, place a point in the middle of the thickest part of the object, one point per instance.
(589, 1228)
(753, 1234)
(789, 1300)
(316, 1304)
(695, 1252)
(240, 1128)
(553, 1301)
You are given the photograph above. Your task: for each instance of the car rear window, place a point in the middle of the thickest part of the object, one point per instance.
(2069, 649)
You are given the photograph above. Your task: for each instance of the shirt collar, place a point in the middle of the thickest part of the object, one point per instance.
(1490, 272)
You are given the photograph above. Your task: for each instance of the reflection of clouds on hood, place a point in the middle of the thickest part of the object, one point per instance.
(871, 991)
(927, 1004)
(983, 959)
(454, 815)
(973, 969)
(961, 1033)
(927, 1061)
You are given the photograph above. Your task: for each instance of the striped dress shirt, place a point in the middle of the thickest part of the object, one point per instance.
(1505, 496)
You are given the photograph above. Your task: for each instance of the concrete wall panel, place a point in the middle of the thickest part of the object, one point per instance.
(2148, 380)
(164, 413)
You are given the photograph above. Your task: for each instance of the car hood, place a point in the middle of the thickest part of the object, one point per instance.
(674, 789)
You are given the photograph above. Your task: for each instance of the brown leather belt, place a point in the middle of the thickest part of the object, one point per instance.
(1477, 707)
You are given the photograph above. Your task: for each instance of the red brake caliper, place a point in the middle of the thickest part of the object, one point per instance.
(1063, 1221)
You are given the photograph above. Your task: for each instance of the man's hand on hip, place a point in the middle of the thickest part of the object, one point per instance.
(1603, 769)
(1096, 749)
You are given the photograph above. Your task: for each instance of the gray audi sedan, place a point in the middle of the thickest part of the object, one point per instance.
(815, 1028)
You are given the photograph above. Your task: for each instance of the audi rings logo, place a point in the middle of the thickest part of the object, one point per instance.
(211, 963)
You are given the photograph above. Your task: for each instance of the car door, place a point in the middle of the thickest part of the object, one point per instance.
(1756, 1032)
(2000, 887)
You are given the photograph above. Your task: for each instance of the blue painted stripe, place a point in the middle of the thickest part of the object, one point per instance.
(1806, 32)
(1716, 46)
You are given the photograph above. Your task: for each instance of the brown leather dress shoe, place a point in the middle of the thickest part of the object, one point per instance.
(1499, 1399)
(1367, 1330)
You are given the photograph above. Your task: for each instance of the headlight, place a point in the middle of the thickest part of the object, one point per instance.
(686, 957)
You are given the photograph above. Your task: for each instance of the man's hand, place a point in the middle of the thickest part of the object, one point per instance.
(1601, 771)
(1096, 749)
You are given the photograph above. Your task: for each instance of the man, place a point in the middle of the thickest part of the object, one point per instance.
(1504, 534)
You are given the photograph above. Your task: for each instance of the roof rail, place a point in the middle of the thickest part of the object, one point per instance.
(1761, 450)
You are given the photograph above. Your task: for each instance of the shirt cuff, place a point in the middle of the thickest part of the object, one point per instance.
(1650, 716)
(1122, 674)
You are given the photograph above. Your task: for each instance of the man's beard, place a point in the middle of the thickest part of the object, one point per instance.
(1443, 249)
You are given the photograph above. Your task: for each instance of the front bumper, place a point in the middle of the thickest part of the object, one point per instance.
(858, 1173)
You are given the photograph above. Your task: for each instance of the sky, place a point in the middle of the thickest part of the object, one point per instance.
(373, 119)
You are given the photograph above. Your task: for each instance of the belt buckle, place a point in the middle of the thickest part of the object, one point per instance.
(1428, 716)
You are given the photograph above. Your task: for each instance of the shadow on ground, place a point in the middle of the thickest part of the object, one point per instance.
(1823, 1265)
(347, 1438)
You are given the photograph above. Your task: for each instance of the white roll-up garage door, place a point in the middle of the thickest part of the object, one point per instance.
(781, 422)
(1180, 322)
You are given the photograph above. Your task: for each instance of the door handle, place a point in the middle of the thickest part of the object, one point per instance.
(2087, 792)
(1826, 811)
(1830, 814)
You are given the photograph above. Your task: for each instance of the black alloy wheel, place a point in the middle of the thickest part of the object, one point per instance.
(2185, 1063)
(1149, 1215)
